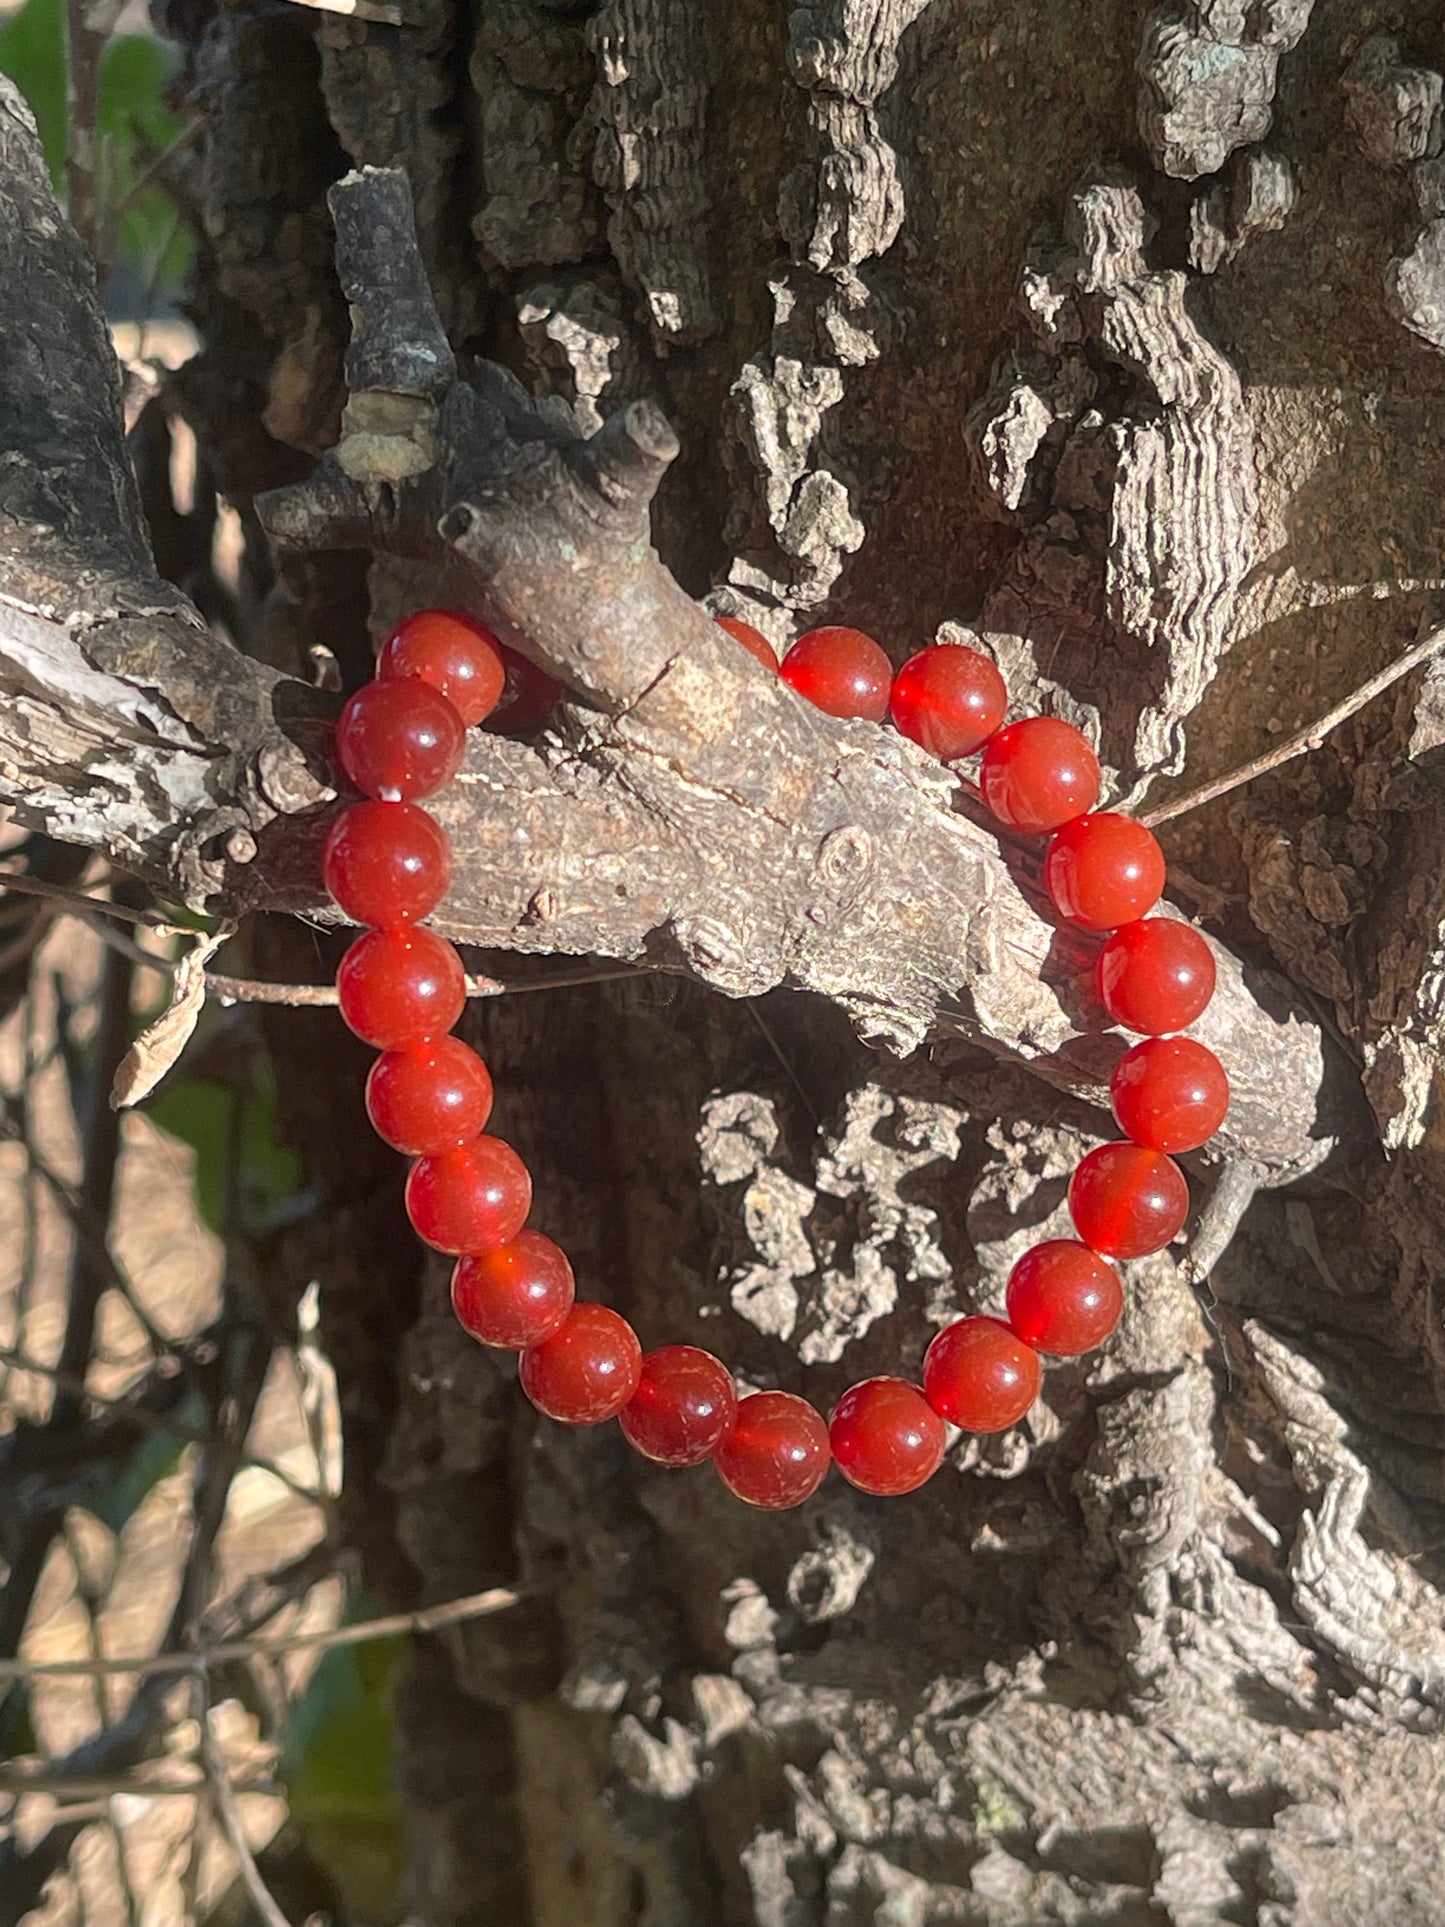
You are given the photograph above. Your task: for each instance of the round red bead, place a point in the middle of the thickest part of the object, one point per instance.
(981, 1375)
(473, 1199)
(1038, 774)
(387, 863)
(1127, 1201)
(684, 1404)
(514, 1296)
(400, 740)
(753, 640)
(1063, 1298)
(1156, 975)
(399, 987)
(432, 1098)
(949, 699)
(1104, 870)
(841, 671)
(527, 695)
(1170, 1094)
(886, 1437)
(587, 1370)
(451, 652)
(776, 1454)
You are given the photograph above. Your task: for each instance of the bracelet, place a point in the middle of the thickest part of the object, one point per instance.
(387, 864)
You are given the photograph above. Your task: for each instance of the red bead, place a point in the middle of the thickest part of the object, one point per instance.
(473, 1199)
(949, 699)
(1063, 1298)
(451, 652)
(514, 1296)
(527, 695)
(433, 1098)
(841, 671)
(1126, 1201)
(1170, 1094)
(400, 740)
(1039, 774)
(386, 863)
(1156, 975)
(886, 1437)
(980, 1375)
(587, 1370)
(400, 987)
(683, 1406)
(1104, 870)
(753, 640)
(776, 1454)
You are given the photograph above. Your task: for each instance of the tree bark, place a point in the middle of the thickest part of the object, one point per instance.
(1104, 337)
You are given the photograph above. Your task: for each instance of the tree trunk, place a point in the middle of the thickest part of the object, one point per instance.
(1109, 335)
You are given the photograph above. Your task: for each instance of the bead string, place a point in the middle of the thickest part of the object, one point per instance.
(387, 864)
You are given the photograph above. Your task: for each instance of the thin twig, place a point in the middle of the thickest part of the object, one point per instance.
(16, 1782)
(147, 178)
(81, 900)
(430, 1619)
(1303, 740)
(228, 1813)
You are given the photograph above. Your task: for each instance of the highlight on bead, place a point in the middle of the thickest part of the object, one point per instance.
(401, 989)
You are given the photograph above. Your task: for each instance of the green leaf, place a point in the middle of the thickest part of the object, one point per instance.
(32, 53)
(229, 1128)
(340, 1775)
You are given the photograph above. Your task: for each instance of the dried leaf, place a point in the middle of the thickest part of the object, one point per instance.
(161, 1043)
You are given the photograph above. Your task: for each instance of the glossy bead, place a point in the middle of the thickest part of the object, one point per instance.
(587, 1370)
(399, 987)
(684, 1404)
(886, 1437)
(981, 1375)
(400, 740)
(1038, 774)
(1156, 975)
(528, 693)
(386, 863)
(776, 1454)
(1104, 870)
(1170, 1094)
(473, 1199)
(432, 1098)
(1063, 1299)
(841, 671)
(451, 652)
(514, 1296)
(1126, 1201)
(949, 699)
(753, 640)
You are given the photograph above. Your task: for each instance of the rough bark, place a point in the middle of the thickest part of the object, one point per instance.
(1171, 1651)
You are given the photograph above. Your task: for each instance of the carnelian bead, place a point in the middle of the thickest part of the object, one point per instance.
(1156, 975)
(451, 652)
(1170, 1094)
(586, 1370)
(753, 640)
(981, 1375)
(400, 740)
(1104, 870)
(397, 988)
(386, 863)
(1038, 774)
(473, 1199)
(1127, 1201)
(515, 1296)
(886, 1437)
(684, 1404)
(840, 671)
(949, 699)
(1063, 1298)
(527, 695)
(432, 1098)
(776, 1454)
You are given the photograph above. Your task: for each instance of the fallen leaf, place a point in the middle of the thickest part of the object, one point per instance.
(161, 1043)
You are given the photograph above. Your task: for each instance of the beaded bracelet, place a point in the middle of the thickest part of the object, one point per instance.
(387, 864)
